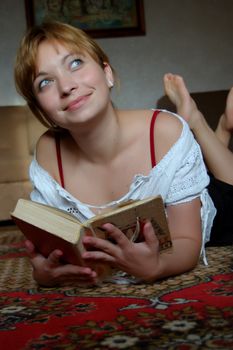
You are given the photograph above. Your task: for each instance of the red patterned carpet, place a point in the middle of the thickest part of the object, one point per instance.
(192, 311)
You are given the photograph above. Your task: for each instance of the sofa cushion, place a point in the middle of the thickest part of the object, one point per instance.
(35, 129)
(19, 132)
(13, 133)
(14, 153)
(10, 193)
(14, 169)
(18, 135)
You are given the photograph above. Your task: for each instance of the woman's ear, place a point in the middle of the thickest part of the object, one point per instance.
(109, 75)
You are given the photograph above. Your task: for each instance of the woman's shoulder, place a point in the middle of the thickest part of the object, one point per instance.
(168, 124)
(143, 115)
(167, 131)
(46, 152)
(45, 140)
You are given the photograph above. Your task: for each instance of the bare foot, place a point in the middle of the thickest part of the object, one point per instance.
(224, 129)
(229, 112)
(177, 92)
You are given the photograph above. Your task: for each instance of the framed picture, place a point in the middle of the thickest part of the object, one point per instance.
(99, 18)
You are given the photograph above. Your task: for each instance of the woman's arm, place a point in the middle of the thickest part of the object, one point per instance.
(218, 158)
(185, 226)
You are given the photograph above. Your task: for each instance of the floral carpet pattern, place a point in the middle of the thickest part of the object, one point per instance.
(188, 312)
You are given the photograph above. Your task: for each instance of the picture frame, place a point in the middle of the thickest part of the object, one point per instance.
(98, 18)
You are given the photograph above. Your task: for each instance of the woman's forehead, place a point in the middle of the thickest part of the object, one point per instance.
(61, 46)
(51, 52)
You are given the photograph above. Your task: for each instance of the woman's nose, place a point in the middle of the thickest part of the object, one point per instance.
(67, 85)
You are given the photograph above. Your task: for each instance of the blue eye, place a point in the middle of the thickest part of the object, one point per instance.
(76, 63)
(43, 83)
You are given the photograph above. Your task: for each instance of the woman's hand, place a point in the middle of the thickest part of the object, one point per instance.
(51, 272)
(138, 259)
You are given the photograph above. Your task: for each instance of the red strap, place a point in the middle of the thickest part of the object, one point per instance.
(152, 142)
(59, 160)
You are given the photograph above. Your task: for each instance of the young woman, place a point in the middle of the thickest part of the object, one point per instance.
(218, 156)
(95, 156)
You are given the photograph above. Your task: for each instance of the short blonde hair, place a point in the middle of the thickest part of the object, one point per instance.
(25, 65)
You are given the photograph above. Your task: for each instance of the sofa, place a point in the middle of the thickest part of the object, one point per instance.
(19, 131)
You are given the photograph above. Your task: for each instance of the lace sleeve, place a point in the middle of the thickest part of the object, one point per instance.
(190, 179)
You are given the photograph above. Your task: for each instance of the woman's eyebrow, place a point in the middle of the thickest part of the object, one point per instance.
(40, 74)
(63, 60)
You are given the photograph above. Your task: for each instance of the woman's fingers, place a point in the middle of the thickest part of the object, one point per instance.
(106, 250)
(150, 235)
(116, 235)
(99, 255)
(50, 271)
(54, 258)
(30, 248)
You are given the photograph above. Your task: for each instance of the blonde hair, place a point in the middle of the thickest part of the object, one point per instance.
(25, 65)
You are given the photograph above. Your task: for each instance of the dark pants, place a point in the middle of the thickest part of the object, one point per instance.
(222, 196)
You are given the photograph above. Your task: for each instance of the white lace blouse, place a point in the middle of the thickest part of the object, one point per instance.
(179, 177)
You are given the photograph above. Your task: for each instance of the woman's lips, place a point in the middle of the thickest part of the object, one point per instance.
(77, 103)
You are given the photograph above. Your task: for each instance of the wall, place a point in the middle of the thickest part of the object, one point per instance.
(189, 37)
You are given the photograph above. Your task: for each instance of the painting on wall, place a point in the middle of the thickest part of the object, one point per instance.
(99, 18)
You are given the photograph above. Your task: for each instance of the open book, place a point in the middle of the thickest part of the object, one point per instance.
(50, 228)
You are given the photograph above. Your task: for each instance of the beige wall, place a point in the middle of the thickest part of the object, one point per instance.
(191, 37)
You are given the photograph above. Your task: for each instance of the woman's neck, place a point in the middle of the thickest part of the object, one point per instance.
(101, 141)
